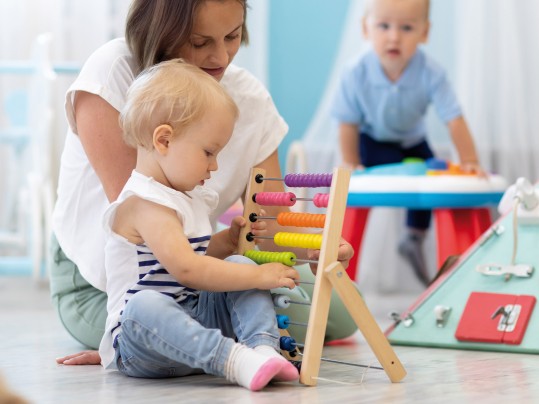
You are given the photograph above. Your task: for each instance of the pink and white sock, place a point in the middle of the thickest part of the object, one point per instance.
(289, 373)
(251, 369)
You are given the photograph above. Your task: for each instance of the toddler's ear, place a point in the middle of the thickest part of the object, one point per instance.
(162, 135)
(364, 28)
(426, 33)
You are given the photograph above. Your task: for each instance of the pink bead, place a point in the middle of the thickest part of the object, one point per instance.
(275, 198)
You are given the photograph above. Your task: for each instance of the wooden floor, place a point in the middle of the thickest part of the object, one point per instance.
(31, 337)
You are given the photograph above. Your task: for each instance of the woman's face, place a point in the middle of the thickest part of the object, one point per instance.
(216, 36)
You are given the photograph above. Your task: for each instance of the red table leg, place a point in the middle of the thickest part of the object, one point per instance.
(352, 231)
(457, 229)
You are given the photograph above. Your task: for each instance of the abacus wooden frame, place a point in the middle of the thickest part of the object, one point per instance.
(330, 274)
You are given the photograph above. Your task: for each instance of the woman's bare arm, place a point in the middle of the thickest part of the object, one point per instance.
(101, 137)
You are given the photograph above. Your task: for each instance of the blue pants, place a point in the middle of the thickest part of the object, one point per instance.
(161, 338)
(374, 153)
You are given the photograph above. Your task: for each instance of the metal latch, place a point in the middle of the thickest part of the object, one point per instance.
(509, 316)
(519, 270)
(441, 313)
(407, 321)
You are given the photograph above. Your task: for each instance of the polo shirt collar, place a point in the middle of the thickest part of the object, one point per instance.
(409, 78)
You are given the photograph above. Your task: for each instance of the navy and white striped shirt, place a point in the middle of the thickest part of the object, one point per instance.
(132, 267)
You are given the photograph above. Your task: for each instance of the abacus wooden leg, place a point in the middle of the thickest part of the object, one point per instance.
(314, 340)
(318, 316)
(365, 321)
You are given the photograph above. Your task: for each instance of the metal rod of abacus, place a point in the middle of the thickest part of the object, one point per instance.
(253, 217)
(296, 345)
(302, 199)
(296, 302)
(297, 323)
(261, 178)
(284, 321)
(284, 301)
(251, 237)
(304, 261)
(348, 363)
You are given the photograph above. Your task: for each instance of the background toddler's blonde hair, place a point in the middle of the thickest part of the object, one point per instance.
(369, 4)
(171, 92)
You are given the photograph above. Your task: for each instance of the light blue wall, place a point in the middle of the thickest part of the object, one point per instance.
(441, 46)
(303, 39)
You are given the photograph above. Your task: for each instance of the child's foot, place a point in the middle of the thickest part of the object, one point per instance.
(251, 369)
(411, 249)
(289, 373)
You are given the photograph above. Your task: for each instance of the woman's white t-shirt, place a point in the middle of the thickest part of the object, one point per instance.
(81, 202)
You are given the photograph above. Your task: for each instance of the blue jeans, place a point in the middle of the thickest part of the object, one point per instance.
(161, 338)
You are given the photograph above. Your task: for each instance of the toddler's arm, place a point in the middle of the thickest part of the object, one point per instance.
(162, 231)
(225, 243)
(349, 143)
(463, 141)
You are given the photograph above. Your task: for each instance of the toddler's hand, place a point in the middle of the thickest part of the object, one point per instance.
(353, 167)
(474, 168)
(237, 223)
(259, 228)
(277, 275)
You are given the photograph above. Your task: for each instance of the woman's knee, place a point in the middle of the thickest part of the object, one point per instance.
(85, 322)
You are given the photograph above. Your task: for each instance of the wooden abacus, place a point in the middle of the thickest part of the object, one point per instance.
(330, 272)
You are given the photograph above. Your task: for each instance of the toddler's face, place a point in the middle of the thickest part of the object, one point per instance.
(396, 28)
(192, 154)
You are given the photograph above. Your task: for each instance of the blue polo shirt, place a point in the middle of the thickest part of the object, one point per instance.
(394, 111)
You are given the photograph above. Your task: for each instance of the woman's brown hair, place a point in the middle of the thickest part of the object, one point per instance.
(156, 29)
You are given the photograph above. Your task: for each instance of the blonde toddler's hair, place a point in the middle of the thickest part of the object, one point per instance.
(174, 93)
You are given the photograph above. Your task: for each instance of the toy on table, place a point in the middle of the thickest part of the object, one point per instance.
(417, 184)
(330, 273)
(442, 167)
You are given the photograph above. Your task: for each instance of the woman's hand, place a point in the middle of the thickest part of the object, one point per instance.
(81, 358)
(345, 254)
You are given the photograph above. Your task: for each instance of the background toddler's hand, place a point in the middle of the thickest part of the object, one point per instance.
(353, 167)
(474, 168)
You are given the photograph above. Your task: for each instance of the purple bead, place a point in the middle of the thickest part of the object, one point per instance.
(308, 180)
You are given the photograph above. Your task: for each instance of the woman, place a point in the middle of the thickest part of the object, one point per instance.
(96, 163)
